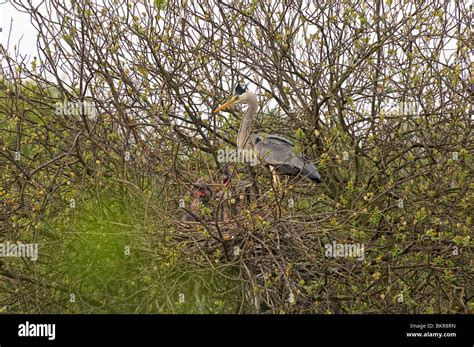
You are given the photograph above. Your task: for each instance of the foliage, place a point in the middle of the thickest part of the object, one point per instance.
(378, 94)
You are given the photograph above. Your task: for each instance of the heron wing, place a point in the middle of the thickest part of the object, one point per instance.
(278, 152)
(278, 139)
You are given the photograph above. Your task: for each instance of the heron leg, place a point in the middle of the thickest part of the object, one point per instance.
(278, 181)
(276, 178)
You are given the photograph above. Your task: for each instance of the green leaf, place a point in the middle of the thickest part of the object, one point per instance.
(159, 4)
(68, 39)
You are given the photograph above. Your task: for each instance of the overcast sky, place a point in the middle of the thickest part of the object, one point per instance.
(21, 28)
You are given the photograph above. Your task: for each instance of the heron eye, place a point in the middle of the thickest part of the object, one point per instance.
(258, 139)
(238, 90)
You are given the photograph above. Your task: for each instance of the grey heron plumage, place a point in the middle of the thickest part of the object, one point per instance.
(278, 152)
(272, 150)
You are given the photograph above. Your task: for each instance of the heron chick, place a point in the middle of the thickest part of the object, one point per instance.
(201, 197)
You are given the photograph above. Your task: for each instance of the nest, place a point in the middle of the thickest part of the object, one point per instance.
(284, 252)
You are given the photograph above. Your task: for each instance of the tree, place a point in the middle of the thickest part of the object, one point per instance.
(378, 91)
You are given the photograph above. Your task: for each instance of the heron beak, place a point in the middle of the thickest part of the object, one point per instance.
(232, 101)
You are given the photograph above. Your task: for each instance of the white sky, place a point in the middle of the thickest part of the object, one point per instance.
(21, 29)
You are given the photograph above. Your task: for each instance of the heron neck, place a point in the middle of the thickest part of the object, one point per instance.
(243, 137)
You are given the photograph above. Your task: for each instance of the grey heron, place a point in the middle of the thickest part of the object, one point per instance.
(273, 151)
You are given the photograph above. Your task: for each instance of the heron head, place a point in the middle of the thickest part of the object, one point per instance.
(239, 96)
(202, 191)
